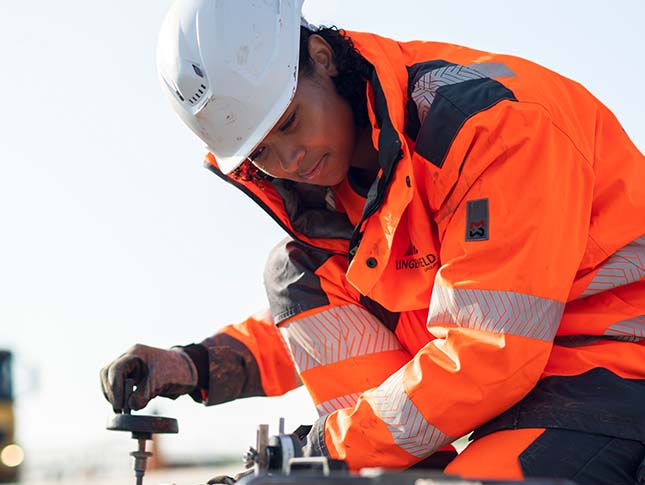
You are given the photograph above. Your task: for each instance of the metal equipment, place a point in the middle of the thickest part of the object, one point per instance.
(142, 428)
(278, 460)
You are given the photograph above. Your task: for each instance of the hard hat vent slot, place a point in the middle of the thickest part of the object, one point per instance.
(198, 71)
(198, 95)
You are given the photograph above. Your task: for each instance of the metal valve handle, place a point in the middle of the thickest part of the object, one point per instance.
(142, 429)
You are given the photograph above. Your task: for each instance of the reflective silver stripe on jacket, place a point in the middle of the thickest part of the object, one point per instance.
(426, 87)
(505, 312)
(328, 407)
(625, 266)
(408, 427)
(634, 328)
(336, 334)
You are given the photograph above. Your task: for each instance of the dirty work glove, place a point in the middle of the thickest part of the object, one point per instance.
(156, 372)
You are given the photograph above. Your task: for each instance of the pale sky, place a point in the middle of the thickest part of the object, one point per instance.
(113, 233)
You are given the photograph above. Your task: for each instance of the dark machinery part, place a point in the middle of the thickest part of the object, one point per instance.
(385, 477)
(278, 460)
(281, 450)
(281, 455)
(222, 479)
(142, 429)
(272, 454)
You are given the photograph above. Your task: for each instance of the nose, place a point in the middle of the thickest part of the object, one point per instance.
(290, 156)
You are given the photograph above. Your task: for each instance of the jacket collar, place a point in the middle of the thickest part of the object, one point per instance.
(300, 208)
(392, 191)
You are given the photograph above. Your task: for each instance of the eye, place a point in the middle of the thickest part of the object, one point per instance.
(256, 154)
(287, 124)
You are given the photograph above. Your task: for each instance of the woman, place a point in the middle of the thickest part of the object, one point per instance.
(466, 247)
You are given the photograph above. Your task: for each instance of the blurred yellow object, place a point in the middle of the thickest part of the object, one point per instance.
(12, 456)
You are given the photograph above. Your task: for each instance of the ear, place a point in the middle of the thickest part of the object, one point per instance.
(322, 54)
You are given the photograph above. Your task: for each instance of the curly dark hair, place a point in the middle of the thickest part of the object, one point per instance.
(353, 68)
(353, 72)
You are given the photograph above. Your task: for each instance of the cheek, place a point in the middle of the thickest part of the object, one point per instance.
(340, 128)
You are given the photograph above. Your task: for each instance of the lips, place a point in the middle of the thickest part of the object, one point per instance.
(312, 171)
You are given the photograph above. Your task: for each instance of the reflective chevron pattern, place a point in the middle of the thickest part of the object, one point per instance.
(634, 328)
(626, 266)
(425, 89)
(493, 69)
(342, 402)
(337, 334)
(496, 311)
(405, 422)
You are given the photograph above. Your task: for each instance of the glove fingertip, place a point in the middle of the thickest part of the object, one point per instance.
(138, 400)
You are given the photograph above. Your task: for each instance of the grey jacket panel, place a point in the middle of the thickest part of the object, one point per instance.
(291, 283)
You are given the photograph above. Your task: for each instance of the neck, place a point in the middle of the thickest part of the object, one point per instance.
(365, 155)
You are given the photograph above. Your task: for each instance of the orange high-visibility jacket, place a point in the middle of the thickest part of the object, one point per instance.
(509, 212)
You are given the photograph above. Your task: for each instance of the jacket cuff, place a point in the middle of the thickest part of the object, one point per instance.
(199, 355)
(315, 444)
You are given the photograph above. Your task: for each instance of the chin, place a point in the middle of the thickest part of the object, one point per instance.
(333, 178)
(332, 174)
(328, 181)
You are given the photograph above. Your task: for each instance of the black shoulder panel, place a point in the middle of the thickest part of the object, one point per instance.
(454, 105)
(415, 73)
(444, 96)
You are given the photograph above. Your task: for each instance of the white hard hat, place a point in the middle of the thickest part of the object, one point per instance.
(229, 69)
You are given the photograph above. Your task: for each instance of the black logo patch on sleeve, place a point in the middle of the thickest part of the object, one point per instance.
(477, 220)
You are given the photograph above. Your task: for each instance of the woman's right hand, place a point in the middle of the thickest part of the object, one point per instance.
(155, 372)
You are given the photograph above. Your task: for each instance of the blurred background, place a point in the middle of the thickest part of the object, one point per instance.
(113, 233)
